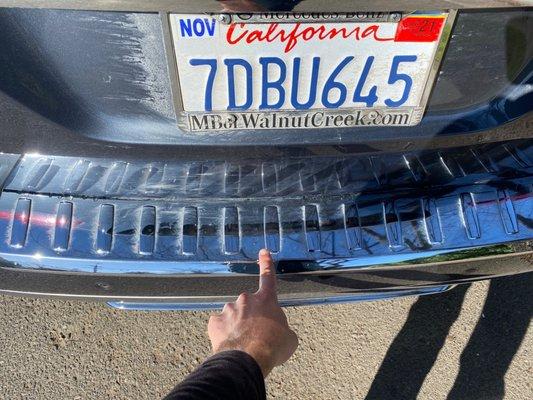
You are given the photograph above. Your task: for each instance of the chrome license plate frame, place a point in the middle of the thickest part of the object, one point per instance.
(191, 118)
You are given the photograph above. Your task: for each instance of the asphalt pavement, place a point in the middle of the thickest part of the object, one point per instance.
(469, 343)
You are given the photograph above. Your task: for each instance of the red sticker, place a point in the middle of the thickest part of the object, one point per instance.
(419, 29)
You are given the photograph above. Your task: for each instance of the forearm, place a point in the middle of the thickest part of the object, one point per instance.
(231, 375)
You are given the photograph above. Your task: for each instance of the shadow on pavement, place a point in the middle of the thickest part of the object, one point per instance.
(415, 348)
(485, 359)
(505, 318)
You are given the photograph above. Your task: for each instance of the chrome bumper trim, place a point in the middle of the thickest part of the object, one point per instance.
(190, 231)
(318, 301)
(307, 287)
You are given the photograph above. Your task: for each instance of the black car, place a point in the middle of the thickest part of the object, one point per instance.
(150, 149)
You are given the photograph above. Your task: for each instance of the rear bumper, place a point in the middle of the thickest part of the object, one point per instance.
(103, 197)
(329, 286)
(341, 228)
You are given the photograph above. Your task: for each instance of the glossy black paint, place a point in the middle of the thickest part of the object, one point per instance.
(96, 84)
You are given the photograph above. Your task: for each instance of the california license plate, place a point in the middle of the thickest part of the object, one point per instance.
(296, 71)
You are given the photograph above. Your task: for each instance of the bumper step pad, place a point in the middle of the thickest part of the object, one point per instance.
(206, 217)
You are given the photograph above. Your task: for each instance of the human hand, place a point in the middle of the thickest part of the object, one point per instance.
(255, 323)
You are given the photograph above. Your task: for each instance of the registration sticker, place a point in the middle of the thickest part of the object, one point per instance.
(298, 71)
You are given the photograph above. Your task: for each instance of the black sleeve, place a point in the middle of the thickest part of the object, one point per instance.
(231, 375)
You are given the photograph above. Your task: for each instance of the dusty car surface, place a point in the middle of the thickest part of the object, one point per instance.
(150, 149)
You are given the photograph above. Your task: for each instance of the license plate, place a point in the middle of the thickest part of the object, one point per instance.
(304, 71)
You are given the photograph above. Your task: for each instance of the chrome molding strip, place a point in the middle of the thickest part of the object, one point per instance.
(195, 6)
(324, 300)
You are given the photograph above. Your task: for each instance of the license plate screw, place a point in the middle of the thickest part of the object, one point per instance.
(224, 19)
(395, 17)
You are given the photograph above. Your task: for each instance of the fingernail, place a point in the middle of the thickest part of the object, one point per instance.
(264, 252)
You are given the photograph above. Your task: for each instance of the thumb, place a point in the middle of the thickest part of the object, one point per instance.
(267, 273)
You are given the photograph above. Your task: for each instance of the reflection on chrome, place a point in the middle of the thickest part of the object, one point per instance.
(350, 298)
(337, 226)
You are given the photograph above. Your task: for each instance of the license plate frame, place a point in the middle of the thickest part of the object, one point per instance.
(346, 117)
